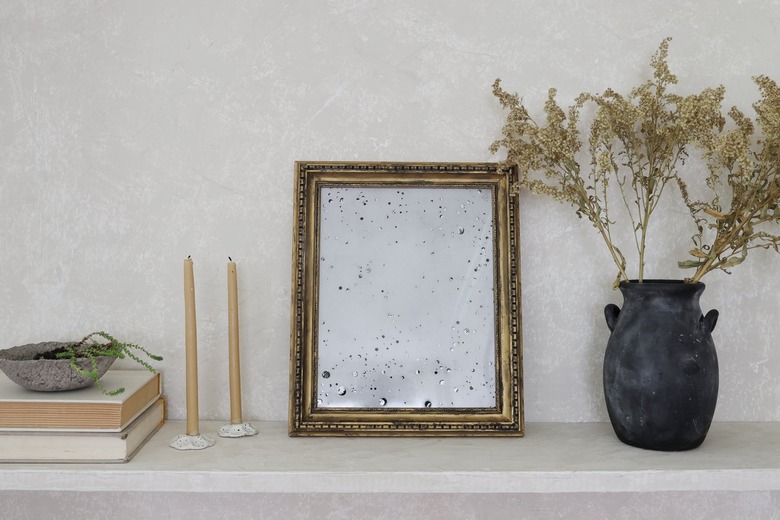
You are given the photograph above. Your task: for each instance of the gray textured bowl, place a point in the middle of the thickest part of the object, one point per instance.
(47, 375)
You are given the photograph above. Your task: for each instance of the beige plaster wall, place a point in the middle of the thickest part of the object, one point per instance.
(133, 134)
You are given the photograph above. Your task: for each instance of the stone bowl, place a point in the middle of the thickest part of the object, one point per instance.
(47, 375)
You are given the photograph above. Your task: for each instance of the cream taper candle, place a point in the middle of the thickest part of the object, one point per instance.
(191, 345)
(233, 355)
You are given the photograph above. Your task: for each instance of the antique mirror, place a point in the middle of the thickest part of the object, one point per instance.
(406, 307)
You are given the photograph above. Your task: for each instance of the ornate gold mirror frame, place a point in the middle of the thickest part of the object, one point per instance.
(405, 300)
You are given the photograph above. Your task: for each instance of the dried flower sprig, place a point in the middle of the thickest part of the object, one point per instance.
(751, 167)
(552, 150)
(639, 142)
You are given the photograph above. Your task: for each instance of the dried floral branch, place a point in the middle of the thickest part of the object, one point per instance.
(640, 142)
(751, 167)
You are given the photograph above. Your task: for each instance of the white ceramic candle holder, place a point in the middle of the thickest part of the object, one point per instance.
(192, 442)
(237, 430)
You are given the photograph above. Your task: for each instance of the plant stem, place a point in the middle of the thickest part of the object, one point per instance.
(605, 235)
(720, 245)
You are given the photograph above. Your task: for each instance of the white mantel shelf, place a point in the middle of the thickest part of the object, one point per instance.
(551, 458)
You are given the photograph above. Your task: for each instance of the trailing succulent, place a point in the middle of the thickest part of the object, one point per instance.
(90, 348)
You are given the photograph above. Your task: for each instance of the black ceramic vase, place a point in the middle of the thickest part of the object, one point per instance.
(660, 367)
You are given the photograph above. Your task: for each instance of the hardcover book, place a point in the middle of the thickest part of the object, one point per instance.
(85, 409)
(86, 447)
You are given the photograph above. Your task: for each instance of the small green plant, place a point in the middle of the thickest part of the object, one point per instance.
(90, 348)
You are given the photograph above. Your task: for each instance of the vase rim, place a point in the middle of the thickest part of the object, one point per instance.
(660, 287)
(658, 281)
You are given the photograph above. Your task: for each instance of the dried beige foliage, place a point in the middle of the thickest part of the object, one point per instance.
(744, 165)
(640, 142)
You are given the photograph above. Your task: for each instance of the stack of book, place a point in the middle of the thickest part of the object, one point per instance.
(81, 425)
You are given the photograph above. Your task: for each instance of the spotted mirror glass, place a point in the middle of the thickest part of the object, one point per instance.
(405, 301)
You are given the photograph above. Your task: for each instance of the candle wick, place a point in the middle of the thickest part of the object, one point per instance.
(230, 259)
(189, 256)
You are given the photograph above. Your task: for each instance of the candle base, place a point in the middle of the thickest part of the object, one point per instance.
(237, 430)
(192, 442)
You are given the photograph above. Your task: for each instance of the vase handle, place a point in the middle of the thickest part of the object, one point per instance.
(611, 312)
(709, 321)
